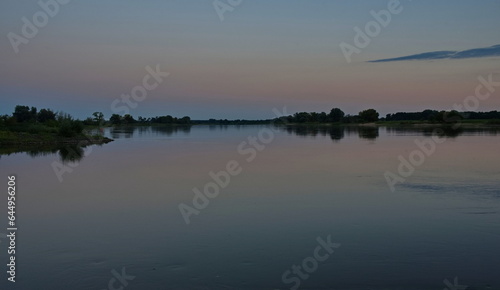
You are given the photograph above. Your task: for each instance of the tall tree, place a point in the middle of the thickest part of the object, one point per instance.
(45, 115)
(128, 119)
(23, 113)
(370, 115)
(98, 117)
(336, 115)
(115, 119)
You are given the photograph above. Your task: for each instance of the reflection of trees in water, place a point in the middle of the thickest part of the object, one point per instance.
(444, 131)
(336, 133)
(67, 153)
(40, 152)
(363, 132)
(74, 153)
(169, 130)
(122, 132)
(71, 153)
(370, 133)
(128, 131)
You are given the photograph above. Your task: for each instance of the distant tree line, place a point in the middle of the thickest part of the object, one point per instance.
(335, 115)
(116, 119)
(442, 116)
(32, 120)
(128, 119)
(231, 122)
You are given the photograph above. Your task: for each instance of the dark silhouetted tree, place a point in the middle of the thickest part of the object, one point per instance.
(336, 115)
(115, 119)
(128, 119)
(370, 115)
(24, 114)
(98, 117)
(184, 120)
(45, 115)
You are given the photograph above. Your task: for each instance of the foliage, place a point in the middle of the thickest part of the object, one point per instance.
(115, 119)
(370, 115)
(70, 128)
(98, 117)
(24, 113)
(128, 119)
(46, 115)
(336, 115)
(45, 121)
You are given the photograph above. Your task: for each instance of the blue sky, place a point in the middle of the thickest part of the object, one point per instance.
(265, 54)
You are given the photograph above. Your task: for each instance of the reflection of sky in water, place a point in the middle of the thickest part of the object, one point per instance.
(491, 190)
(119, 208)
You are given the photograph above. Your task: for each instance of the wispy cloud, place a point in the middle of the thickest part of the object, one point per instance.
(470, 53)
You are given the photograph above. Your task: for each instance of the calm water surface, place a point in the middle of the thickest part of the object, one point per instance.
(119, 210)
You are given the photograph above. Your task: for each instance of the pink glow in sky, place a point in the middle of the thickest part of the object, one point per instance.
(265, 54)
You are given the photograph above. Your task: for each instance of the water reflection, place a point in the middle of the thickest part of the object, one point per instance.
(336, 133)
(73, 153)
(370, 133)
(171, 130)
(122, 132)
(67, 152)
(131, 131)
(444, 131)
(313, 181)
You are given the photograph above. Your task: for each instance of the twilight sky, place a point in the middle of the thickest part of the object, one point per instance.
(265, 54)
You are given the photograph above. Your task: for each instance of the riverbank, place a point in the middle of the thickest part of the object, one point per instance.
(25, 139)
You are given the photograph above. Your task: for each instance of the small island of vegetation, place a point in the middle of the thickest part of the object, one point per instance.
(30, 126)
